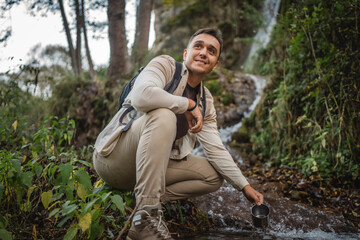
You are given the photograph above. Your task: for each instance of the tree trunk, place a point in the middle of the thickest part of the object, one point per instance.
(142, 30)
(87, 48)
(117, 38)
(68, 36)
(78, 38)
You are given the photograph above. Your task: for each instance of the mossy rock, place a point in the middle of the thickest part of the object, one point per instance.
(242, 135)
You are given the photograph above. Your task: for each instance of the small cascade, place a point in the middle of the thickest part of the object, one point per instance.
(260, 83)
(262, 37)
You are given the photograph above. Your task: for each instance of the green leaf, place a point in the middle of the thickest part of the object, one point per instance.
(323, 143)
(71, 233)
(46, 198)
(57, 196)
(26, 178)
(85, 222)
(70, 135)
(63, 221)
(64, 175)
(54, 212)
(95, 214)
(38, 170)
(83, 178)
(34, 155)
(29, 192)
(129, 200)
(69, 192)
(16, 164)
(88, 206)
(85, 163)
(81, 191)
(300, 119)
(118, 201)
(104, 197)
(96, 230)
(67, 209)
(5, 235)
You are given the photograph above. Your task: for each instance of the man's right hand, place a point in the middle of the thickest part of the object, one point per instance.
(253, 196)
(194, 118)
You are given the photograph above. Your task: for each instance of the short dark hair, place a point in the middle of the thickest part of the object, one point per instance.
(211, 31)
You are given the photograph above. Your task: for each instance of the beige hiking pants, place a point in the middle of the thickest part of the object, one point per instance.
(140, 162)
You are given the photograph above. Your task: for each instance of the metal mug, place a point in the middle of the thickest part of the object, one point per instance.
(260, 215)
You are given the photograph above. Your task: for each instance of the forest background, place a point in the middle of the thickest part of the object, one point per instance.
(307, 121)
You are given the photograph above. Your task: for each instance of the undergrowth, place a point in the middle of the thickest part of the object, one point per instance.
(309, 115)
(48, 189)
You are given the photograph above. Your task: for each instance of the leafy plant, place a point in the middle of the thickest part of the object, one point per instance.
(47, 174)
(309, 114)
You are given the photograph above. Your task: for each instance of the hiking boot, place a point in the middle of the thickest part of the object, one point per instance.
(147, 224)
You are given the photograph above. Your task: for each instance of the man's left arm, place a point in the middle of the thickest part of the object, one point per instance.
(222, 161)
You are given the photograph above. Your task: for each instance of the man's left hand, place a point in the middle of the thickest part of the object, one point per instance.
(194, 119)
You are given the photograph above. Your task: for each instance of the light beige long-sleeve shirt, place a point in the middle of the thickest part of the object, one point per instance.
(148, 93)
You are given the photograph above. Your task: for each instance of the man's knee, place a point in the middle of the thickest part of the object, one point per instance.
(164, 118)
(216, 182)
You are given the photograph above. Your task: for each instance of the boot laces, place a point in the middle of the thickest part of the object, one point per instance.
(161, 225)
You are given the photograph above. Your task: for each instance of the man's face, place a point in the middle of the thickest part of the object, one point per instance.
(201, 56)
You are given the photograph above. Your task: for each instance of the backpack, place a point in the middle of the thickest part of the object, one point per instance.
(170, 88)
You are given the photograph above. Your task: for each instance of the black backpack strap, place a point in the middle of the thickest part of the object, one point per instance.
(128, 88)
(203, 100)
(170, 88)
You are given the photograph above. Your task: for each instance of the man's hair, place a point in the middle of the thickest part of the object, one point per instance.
(211, 31)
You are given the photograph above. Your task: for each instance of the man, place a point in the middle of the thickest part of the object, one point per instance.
(153, 156)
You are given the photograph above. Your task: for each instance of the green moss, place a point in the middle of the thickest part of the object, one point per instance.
(227, 99)
(214, 87)
(242, 135)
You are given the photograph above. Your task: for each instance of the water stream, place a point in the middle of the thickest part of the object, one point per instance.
(253, 235)
(262, 37)
(229, 209)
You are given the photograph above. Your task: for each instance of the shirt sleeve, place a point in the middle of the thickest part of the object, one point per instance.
(219, 157)
(148, 92)
(216, 153)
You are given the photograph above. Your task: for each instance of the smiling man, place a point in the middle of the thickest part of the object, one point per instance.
(153, 155)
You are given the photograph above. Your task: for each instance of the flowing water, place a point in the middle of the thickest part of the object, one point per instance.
(231, 212)
(253, 235)
(262, 37)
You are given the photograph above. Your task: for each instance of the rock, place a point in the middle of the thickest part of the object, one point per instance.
(243, 89)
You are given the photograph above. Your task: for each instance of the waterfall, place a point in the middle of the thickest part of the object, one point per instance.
(260, 83)
(262, 37)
